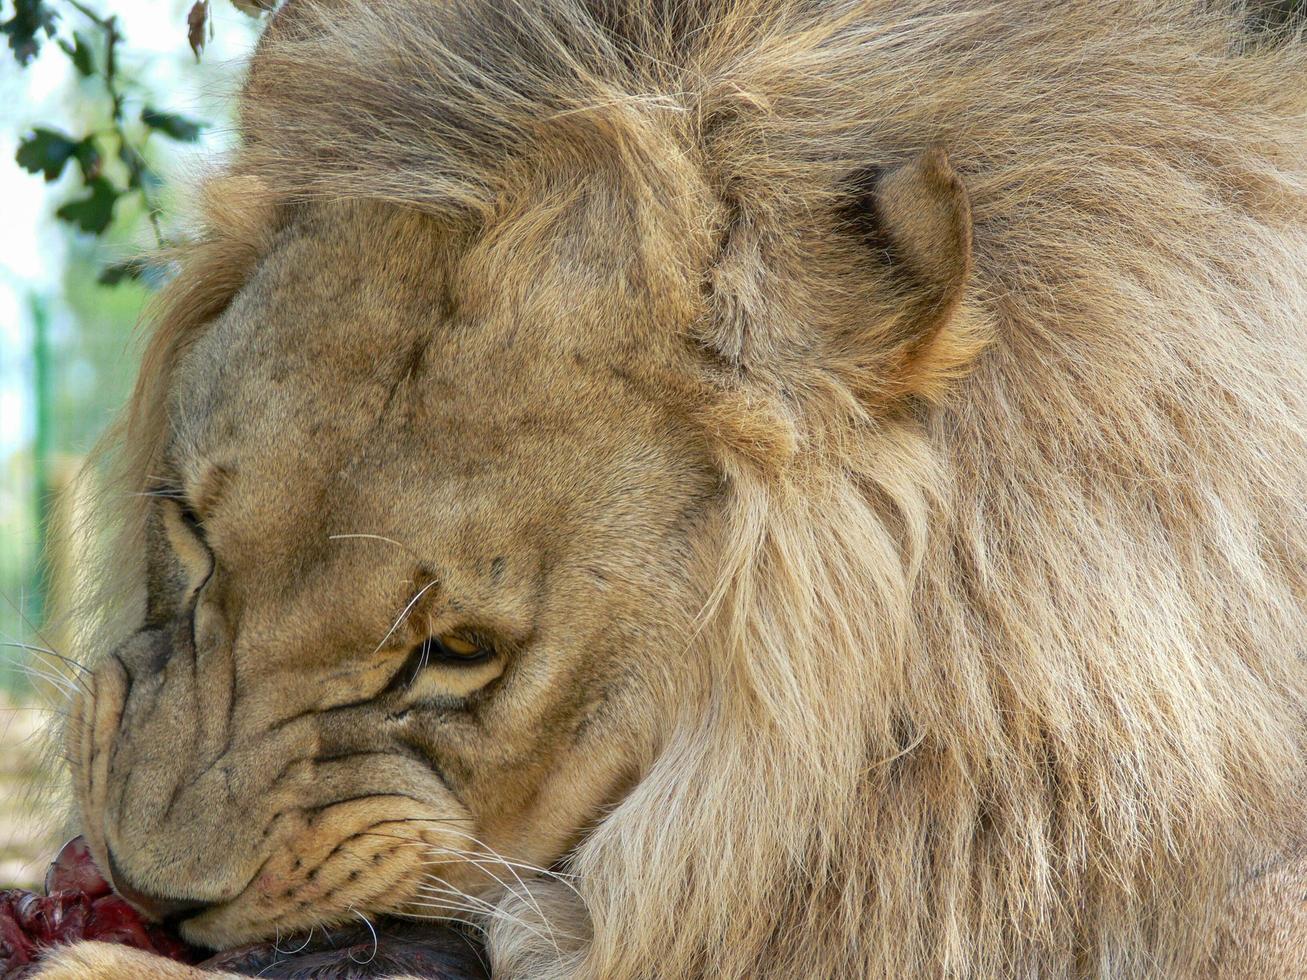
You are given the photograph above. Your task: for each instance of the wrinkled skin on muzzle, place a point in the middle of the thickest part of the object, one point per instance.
(211, 800)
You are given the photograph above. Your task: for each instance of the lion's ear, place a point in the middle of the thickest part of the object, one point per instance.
(916, 222)
(870, 291)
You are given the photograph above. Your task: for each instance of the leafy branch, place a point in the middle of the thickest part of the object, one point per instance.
(111, 156)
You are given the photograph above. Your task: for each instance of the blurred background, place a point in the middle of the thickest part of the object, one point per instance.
(109, 110)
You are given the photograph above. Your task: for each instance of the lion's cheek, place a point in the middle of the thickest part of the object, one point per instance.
(370, 856)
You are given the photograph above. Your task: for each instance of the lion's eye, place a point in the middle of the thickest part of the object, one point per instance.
(458, 647)
(448, 665)
(185, 534)
(190, 518)
(174, 498)
(450, 649)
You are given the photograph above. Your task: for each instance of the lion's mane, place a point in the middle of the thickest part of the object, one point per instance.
(1006, 678)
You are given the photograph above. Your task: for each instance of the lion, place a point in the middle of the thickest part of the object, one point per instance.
(752, 488)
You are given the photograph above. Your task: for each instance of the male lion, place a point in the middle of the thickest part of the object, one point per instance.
(735, 489)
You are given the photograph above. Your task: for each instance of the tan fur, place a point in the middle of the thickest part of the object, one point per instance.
(872, 433)
(101, 960)
(1265, 929)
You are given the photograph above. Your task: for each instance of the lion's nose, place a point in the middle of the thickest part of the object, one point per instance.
(156, 907)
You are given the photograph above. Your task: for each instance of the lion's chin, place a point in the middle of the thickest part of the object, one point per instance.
(389, 947)
(243, 924)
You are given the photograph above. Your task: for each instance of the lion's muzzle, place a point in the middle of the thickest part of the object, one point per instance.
(205, 798)
(177, 784)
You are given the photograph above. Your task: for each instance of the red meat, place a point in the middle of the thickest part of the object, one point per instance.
(79, 904)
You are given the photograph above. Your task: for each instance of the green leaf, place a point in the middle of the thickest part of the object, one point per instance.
(80, 54)
(150, 272)
(93, 212)
(254, 8)
(46, 152)
(88, 158)
(132, 269)
(135, 163)
(170, 124)
(30, 18)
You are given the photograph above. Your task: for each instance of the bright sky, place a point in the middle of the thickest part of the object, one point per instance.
(32, 243)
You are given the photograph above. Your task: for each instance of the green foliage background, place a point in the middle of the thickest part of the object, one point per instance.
(121, 115)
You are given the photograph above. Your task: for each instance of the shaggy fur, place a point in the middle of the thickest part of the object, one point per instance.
(1000, 670)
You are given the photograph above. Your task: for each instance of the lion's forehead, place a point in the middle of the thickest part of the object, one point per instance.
(414, 422)
(342, 338)
(346, 391)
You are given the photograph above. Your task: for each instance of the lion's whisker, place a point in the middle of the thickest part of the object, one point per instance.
(562, 877)
(488, 851)
(478, 860)
(45, 651)
(47, 708)
(58, 681)
(404, 614)
(18, 608)
(165, 494)
(454, 893)
(376, 942)
(488, 856)
(465, 895)
(292, 952)
(526, 897)
(477, 927)
(372, 537)
(69, 684)
(526, 892)
(437, 901)
(438, 898)
(511, 864)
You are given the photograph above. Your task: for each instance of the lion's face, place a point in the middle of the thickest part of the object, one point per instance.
(421, 558)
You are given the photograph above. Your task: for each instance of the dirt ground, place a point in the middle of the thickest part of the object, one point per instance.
(29, 836)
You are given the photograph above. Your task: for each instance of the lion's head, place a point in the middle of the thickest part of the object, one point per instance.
(583, 480)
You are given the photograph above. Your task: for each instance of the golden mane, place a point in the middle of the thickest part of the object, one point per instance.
(1006, 672)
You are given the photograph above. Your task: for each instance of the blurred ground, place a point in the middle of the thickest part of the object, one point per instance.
(27, 838)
